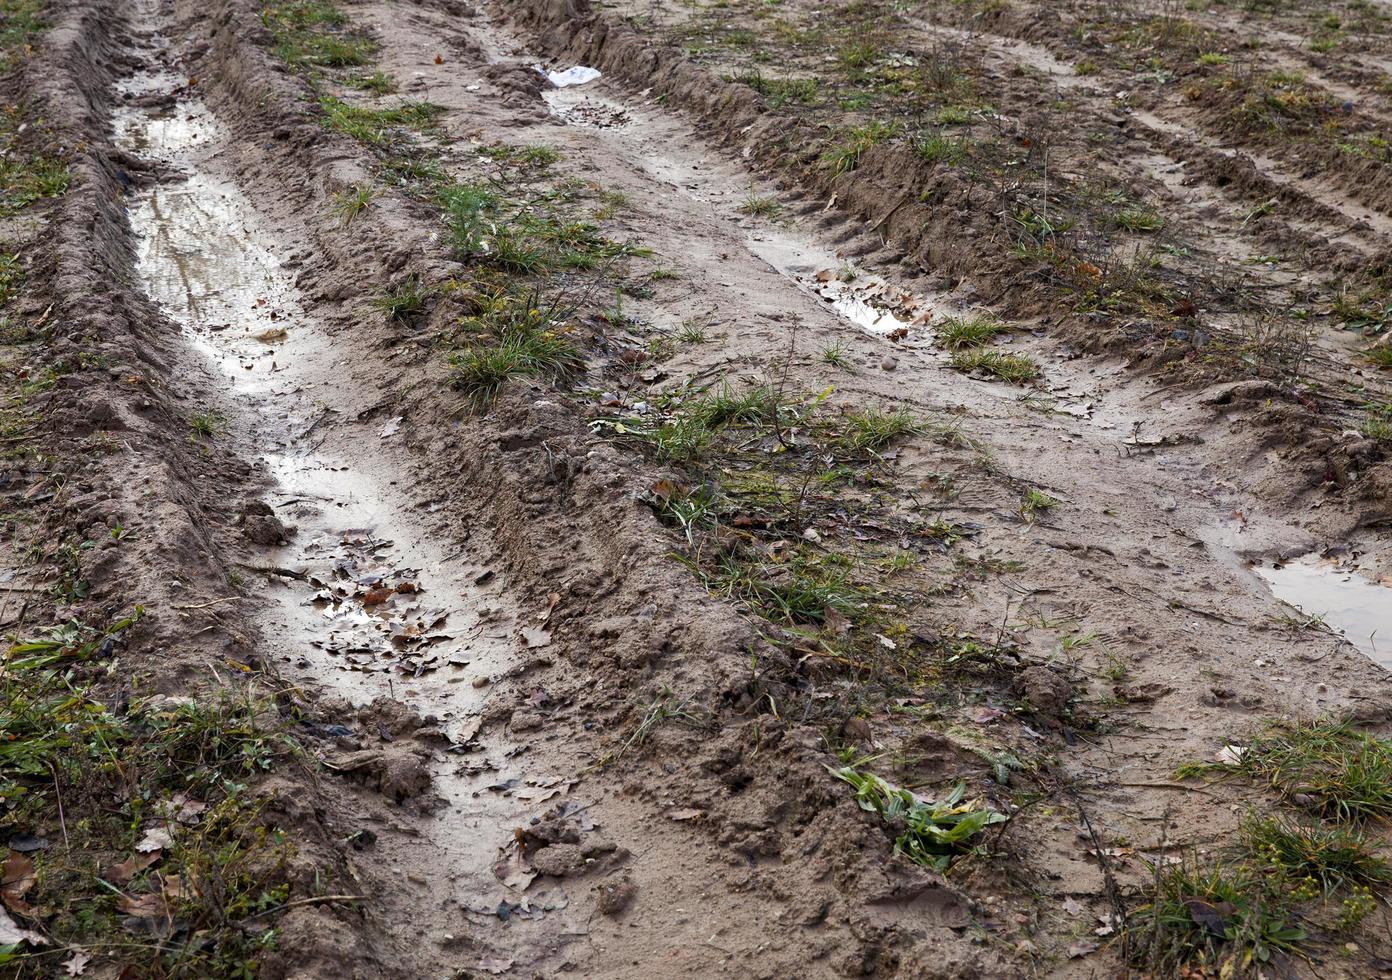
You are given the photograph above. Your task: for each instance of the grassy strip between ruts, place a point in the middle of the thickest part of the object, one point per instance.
(134, 837)
(1292, 882)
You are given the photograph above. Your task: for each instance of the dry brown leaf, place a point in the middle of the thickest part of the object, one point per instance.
(11, 934)
(18, 878)
(121, 874)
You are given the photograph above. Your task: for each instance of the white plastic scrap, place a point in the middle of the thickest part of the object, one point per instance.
(578, 75)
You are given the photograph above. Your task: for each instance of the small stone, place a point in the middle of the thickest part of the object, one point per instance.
(889, 363)
(615, 896)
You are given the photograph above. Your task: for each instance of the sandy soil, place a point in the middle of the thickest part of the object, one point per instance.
(542, 735)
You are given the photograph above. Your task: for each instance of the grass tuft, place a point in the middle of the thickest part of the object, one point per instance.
(874, 428)
(1015, 368)
(404, 300)
(1327, 768)
(961, 333)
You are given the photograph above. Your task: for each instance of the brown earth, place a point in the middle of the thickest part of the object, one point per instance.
(568, 753)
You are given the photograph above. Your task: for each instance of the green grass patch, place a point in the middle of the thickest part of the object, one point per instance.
(157, 825)
(966, 332)
(1313, 856)
(374, 126)
(11, 277)
(404, 300)
(512, 336)
(1014, 368)
(779, 92)
(315, 34)
(845, 156)
(20, 22)
(348, 204)
(1328, 768)
(1224, 915)
(872, 429)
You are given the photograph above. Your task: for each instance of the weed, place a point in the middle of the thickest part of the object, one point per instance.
(11, 277)
(758, 405)
(692, 332)
(1036, 502)
(1015, 368)
(530, 238)
(350, 203)
(126, 771)
(514, 336)
(1380, 356)
(937, 148)
(1377, 422)
(956, 115)
(762, 207)
(25, 179)
(874, 428)
(1331, 858)
(374, 126)
(779, 92)
(404, 300)
(207, 423)
(1138, 218)
(1087, 67)
(1326, 767)
(1225, 915)
(931, 833)
(378, 83)
(314, 34)
(693, 510)
(665, 707)
(20, 22)
(792, 591)
(682, 439)
(961, 333)
(845, 157)
(838, 355)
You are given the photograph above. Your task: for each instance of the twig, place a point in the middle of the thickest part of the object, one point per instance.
(62, 821)
(211, 602)
(315, 900)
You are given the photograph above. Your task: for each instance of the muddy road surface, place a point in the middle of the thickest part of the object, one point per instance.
(754, 489)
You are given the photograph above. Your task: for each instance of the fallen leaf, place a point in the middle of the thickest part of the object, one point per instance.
(377, 595)
(686, 814)
(11, 934)
(76, 966)
(986, 715)
(155, 839)
(272, 335)
(121, 874)
(18, 878)
(1230, 755)
(439, 59)
(1213, 919)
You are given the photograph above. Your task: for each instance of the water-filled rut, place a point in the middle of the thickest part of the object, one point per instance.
(354, 595)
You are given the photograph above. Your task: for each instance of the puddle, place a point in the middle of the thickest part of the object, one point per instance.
(1344, 599)
(583, 109)
(363, 601)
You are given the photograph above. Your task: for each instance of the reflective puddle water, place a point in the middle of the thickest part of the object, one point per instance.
(362, 599)
(1343, 599)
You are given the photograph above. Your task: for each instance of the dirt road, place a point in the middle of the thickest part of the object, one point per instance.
(762, 489)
